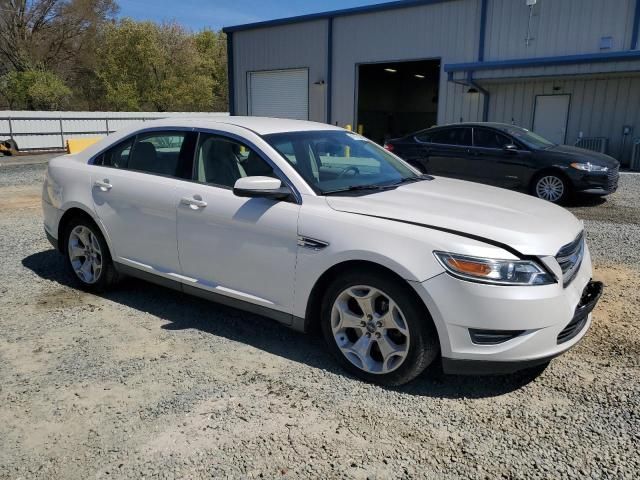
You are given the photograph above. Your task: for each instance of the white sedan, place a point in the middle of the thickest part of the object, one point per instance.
(315, 226)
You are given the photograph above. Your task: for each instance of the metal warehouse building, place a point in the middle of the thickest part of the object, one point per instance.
(568, 69)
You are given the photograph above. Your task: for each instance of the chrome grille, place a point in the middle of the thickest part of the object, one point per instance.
(612, 178)
(570, 257)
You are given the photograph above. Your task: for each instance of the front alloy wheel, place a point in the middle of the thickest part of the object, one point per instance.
(551, 187)
(370, 329)
(377, 327)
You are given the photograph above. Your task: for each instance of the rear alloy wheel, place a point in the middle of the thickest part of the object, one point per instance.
(85, 254)
(88, 256)
(551, 187)
(377, 330)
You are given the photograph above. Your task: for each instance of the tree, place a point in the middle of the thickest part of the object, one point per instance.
(146, 66)
(50, 34)
(212, 49)
(34, 90)
(49, 46)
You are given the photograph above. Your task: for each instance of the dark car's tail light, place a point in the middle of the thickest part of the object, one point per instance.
(388, 146)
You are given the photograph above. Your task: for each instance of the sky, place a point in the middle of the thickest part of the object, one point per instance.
(215, 14)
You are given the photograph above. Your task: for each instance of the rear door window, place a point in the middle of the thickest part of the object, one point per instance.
(485, 138)
(161, 153)
(452, 136)
(117, 156)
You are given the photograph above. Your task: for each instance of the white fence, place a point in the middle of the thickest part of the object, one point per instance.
(50, 130)
(597, 144)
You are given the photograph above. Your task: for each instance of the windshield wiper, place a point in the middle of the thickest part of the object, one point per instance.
(417, 178)
(357, 188)
(379, 188)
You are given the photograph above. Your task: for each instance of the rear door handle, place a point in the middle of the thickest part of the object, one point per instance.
(195, 203)
(103, 185)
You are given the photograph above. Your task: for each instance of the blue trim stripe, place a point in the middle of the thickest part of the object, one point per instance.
(335, 13)
(231, 87)
(636, 26)
(483, 29)
(545, 61)
(329, 68)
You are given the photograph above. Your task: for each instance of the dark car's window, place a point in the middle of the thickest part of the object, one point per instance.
(452, 136)
(221, 161)
(531, 139)
(161, 153)
(485, 138)
(423, 136)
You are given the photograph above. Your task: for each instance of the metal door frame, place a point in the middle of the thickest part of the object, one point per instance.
(535, 108)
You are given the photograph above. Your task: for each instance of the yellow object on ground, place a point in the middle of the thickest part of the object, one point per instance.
(75, 145)
(347, 150)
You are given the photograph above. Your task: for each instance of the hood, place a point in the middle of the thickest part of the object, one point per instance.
(583, 155)
(527, 224)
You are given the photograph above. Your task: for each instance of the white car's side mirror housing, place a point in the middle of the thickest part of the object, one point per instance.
(261, 187)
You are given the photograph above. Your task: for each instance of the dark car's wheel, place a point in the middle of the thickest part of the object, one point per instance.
(551, 186)
(377, 329)
(87, 255)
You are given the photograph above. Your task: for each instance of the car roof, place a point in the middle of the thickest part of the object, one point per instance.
(496, 125)
(259, 125)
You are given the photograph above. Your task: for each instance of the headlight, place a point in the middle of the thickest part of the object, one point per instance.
(490, 270)
(589, 167)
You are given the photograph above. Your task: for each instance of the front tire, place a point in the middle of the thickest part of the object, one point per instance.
(551, 186)
(87, 256)
(377, 329)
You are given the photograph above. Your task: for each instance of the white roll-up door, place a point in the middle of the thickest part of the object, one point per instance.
(279, 93)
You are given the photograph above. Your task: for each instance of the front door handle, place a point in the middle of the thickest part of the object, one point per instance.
(195, 203)
(103, 185)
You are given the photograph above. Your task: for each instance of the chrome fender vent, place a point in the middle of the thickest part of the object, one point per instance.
(311, 243)
(570, 257)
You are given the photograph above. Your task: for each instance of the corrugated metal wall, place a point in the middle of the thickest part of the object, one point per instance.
(558, 70)
(288, 46)
(599, 107)
(50, 130)
(447, 30)
(558, 27)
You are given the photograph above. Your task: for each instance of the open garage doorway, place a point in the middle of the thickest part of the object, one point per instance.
(397, 98)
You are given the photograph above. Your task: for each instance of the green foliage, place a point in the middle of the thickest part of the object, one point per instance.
(74, 53)
(34, 90)
(146, 66)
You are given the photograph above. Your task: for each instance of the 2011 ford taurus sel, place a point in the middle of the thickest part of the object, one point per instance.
(313, 225)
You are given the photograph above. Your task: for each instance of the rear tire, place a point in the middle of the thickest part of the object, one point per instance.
(87, 256)
(377, 329)
(551, 186)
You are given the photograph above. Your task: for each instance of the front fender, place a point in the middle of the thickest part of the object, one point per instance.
(405, 249)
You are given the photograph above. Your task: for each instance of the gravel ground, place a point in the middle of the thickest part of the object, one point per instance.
(147, 382)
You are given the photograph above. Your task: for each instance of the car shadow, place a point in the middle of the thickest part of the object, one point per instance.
(184, 312)
(585, 200)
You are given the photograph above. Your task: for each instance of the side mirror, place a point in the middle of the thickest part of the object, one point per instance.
(511, 148)
(261, 187)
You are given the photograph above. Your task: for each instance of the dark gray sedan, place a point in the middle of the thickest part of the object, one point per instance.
(510, 157)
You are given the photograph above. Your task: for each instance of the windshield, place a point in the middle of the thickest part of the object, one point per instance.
(334, 161)
(530, 139)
